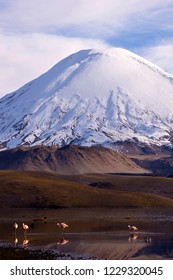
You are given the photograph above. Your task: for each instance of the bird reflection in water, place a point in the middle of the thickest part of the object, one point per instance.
(16, 241)
(133, 237)
(62, 241)
(25, 242)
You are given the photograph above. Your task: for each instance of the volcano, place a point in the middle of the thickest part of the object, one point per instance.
(91, 98)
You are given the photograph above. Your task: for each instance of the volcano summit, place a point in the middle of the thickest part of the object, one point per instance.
(91, 98)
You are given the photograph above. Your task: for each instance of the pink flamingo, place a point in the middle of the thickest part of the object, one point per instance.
(132, 228)
(62, 225)
(25, 227)
(15, 227)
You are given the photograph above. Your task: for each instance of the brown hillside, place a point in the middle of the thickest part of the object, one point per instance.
(67, 160)
(158, 164)
(48, 190)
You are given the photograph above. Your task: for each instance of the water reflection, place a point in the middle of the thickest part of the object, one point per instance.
(107, 237)
(25, 242)
(62, 241)
(133, 237)
(41, 220)
(16, 241)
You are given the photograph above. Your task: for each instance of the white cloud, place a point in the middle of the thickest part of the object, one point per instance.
(161, 55)
(101, 17)
(28, 47)
(25, 57)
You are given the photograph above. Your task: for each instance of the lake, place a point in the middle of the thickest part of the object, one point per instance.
(100, 233)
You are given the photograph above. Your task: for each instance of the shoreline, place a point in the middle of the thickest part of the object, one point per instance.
(99, 233)
(8, 252)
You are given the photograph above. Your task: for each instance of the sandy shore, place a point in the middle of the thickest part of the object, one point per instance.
(120, 252)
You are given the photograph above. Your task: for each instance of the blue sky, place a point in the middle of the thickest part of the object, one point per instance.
(36, 34)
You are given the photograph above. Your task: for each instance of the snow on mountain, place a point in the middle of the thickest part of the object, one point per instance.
(91, 97)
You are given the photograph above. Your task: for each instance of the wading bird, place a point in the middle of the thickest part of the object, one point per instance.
(148, 239)
(41, 220)
(25, 227)
(132, 228)
(62, 225)
(15, 227)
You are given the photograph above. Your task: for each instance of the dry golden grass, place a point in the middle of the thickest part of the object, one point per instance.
(46, 190)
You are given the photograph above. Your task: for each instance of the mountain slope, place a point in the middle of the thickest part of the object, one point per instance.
(159, 165)
(67, 160)
(89, 98)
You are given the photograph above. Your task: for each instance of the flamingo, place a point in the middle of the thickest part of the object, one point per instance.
(15, 227)
(132, 228)
(25, 227)
(62, 225)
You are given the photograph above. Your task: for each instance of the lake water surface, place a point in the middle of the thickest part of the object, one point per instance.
(101, 233)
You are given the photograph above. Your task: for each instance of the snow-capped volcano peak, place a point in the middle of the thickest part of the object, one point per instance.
(91, 97)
